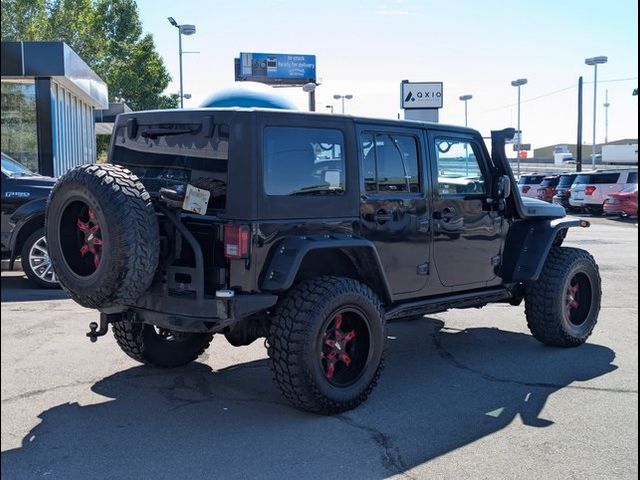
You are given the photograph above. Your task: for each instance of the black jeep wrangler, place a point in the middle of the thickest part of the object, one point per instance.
(309, 230)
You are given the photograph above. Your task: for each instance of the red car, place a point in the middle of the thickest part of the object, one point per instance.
(547, 189)
(623, 203)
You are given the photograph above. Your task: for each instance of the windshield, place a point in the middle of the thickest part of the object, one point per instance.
(566, 180)
(11, 168)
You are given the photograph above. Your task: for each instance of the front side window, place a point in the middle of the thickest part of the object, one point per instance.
(390, 163)
(459, 171)
(633, 177)
(303, 161)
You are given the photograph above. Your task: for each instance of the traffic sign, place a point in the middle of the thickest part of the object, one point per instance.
(523, 146)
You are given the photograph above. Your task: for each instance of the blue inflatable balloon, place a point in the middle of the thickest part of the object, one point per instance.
(246, 97)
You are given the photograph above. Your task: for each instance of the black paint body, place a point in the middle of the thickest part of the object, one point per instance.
(413, 248)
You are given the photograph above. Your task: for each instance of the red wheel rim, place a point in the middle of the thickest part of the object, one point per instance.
(345, 347)
(81, 238)
(90, 229)
(577, 299)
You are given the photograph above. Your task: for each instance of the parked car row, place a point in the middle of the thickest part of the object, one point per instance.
(613, 192)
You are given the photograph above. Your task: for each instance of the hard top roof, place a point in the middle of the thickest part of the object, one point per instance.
(316, 115)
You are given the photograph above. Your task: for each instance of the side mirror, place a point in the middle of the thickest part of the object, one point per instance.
(502, 187)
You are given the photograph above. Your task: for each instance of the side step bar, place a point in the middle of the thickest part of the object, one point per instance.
(441, 303)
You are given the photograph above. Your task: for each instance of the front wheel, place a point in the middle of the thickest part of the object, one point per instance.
(35, 260)
(159, 347)
(562, 306)
(326, 344)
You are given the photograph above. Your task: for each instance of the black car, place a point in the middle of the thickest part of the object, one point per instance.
(24, 198)
(563, 190)
(311, 231)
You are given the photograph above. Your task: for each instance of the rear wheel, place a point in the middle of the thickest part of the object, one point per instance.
(35, 260)
(326, 344)
(562, 306)
(159, 347)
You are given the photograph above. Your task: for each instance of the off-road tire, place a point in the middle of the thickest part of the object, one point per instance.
(293, 343)
(144, 344)
(129, 231)
(25, 261)
(545, 298)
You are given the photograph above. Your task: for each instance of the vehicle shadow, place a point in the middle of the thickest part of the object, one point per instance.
(18, 288)
(442, 389)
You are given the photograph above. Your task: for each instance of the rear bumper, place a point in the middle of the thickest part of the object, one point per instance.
(620, 208)
(189, 314)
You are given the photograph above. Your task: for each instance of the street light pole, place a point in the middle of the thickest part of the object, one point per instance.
(606, 116)
(518, 83)
(343, 98)
(465, 99)
(595, 61)
(180, 57)
(182, 30)
(329, 107)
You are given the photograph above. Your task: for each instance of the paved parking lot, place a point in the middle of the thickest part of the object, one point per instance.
(466, 394)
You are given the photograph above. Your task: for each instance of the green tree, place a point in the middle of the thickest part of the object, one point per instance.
(107, 34)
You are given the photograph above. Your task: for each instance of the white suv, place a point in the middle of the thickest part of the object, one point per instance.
(590, 189)
(528, 184)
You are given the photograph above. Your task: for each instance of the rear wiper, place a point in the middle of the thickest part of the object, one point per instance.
(163, 132)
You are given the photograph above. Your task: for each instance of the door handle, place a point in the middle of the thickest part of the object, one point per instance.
(382, 216)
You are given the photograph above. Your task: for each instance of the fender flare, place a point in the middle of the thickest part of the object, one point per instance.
(528, 244)
(287, 255)
(25, 215)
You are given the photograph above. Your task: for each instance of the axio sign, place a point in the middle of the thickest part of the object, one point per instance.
(415, 95)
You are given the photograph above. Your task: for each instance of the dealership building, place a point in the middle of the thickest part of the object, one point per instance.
(49, 100)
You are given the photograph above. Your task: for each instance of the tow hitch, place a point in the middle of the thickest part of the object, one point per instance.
(105, 320)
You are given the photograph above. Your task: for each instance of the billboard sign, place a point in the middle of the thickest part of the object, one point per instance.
(276, 68)
(421, 95)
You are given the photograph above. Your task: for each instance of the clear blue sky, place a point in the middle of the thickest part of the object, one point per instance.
(366, 47)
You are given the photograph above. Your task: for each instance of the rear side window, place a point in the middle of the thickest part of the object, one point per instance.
(633, 177)
(583, 179)
(602, 178)
(390, 163)
(303, 161)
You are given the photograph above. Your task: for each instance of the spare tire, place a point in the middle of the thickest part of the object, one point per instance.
(103, 237)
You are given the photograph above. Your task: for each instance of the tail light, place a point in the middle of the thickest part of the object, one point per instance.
(589, 190)
(526, 189)
(236, 241)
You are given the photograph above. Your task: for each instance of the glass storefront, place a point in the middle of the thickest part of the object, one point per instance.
(19, 135)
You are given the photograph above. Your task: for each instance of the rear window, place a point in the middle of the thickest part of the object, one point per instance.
(583, 179)
(173, 155)
(303, 161)
(566, 180)
(550, 182)
(531, 180)
(633, 177)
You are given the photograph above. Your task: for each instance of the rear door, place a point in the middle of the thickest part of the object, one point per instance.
(393, 206)
(467, 232)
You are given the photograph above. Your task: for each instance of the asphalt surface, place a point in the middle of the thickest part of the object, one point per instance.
(466, 394)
